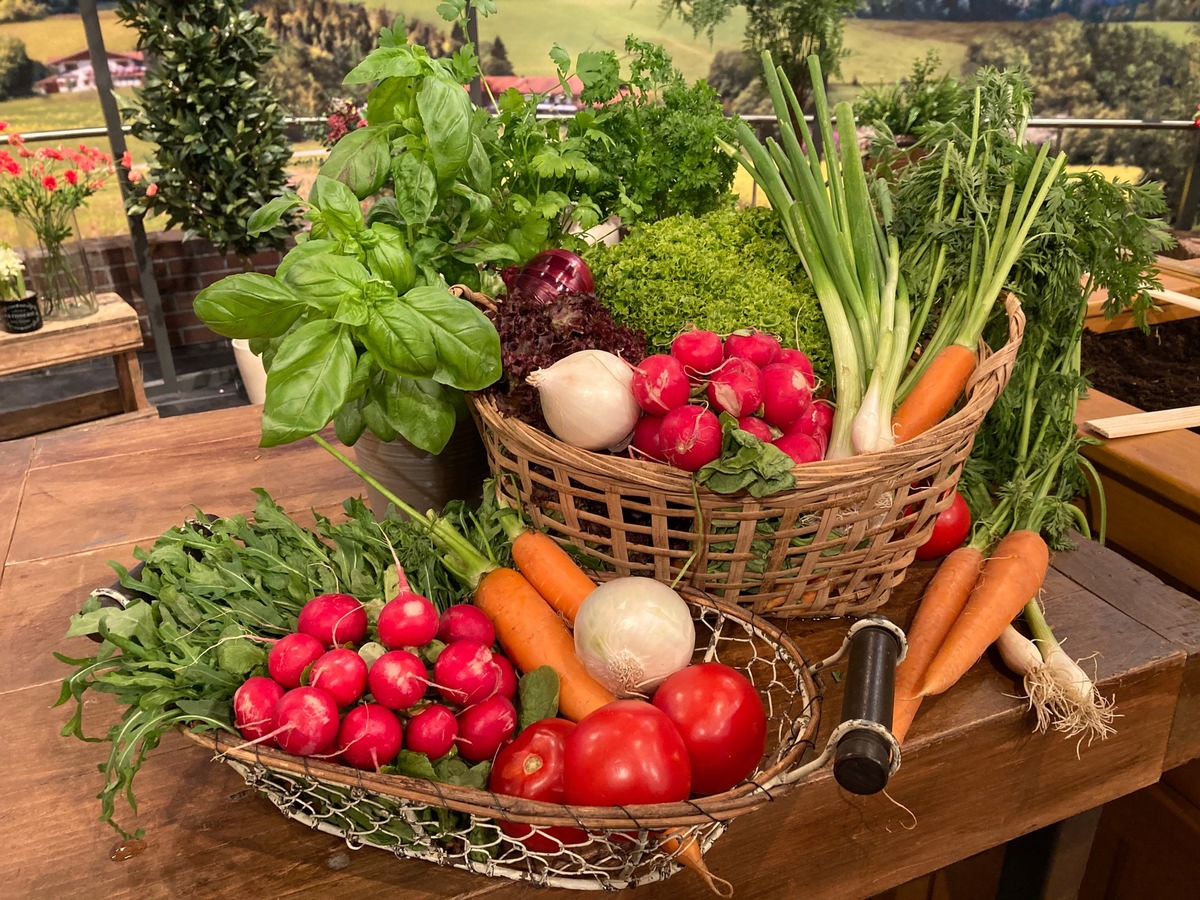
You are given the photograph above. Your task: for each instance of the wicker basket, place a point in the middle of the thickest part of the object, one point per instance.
(836, 544)
(459, 826)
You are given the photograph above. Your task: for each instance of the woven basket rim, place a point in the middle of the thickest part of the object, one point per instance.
(743, 798)
(668, 478)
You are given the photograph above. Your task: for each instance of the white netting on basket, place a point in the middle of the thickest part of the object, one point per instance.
(577, 847)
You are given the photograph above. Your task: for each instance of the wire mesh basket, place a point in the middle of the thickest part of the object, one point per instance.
(585, 848)
(836, 544)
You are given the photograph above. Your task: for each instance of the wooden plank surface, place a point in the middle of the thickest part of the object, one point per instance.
(15, 457)
(60, 413)
(974, 774)
(112, 329)
(1182, 281)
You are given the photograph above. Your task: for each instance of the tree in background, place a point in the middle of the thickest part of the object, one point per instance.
(17, 70)
(21, 10)
(494, 59)
(736, 77)
(218, 131)
(1115, 72)
(791, 29)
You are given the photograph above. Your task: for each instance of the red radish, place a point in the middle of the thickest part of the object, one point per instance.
(341, 673)
(306, 722)
(786, 395)
(823, 413)
(816, 419)
(757, 347)
(466, 673)
(464, 621)
(802, 448)
(757, 427)
(699, 351)
(508, 676)
(799, 359)
(432, 731)
(370, 736)
(397, 680)
(408, 620)
(647, 438)
(736, 387)
(660, 383)
(254, 707)
(334, 619)
(485, 727)
(691, 437)
(291, 655)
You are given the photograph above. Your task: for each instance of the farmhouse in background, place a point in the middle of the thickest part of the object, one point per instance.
(74, 72)
(555, 101)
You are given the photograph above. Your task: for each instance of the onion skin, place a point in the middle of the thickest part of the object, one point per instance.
(587, 400)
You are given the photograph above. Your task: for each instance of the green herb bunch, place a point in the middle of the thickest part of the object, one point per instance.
(910, 106)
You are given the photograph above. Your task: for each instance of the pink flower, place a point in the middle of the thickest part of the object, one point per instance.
(3, 126)
(72, 177)
(151, 189)
(50, 183)
(135, 177)
(127, 159)
(51, 153)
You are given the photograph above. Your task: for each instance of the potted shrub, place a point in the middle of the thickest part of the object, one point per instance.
(20, 305)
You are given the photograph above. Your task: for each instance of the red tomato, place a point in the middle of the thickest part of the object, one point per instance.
(721, 720)
(532, 767)
(950, 529)
(626, 753)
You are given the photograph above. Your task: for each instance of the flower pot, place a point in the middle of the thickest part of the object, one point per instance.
(252, 372)
(22, 314)
(422, 479)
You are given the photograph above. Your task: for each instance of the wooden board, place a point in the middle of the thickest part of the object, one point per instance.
(1184, 281)
(60, 414)
(112, 329)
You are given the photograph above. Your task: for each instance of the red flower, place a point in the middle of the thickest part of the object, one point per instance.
(51, 153)
(50, 183)
(135, 177)
(151, 189)
(16, 140)
(127, 159)
(72, 177)
(3, 126)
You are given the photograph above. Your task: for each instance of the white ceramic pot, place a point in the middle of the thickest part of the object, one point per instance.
(250, 367)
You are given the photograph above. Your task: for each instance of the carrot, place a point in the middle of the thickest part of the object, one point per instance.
(944, 598)
(533, 635)
(935, 392)
(551, 571)
(1010, 576)
(688, 855)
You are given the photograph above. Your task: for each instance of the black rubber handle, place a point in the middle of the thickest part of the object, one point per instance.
(862, 761)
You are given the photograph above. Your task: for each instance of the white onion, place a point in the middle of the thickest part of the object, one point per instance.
(587, 399)
(631, 633)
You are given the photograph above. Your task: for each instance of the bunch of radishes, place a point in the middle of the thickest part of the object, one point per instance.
(768, 388)
(426, 684)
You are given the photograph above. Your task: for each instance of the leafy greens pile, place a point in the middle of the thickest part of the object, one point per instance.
(212, 589)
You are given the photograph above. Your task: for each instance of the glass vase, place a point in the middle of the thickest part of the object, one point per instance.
(59, 270)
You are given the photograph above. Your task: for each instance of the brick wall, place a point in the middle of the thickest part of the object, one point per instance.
(182, 269)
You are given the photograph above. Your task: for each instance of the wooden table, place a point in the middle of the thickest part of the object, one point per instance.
(974, 774)
(113, 331)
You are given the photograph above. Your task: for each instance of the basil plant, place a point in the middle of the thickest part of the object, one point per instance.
(358, 325)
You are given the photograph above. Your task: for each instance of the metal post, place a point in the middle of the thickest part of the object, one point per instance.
(476, 87)
(1191, 190)
(137, 230)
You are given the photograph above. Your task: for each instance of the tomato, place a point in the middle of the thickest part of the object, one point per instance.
(950, 529)
(721, 720)
(627, 752)
(532, 767)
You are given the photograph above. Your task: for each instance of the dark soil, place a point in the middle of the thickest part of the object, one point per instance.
(1159, 370)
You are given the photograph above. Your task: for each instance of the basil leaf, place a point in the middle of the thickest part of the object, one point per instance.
(385, 211)
(446, 114)
(349, 424)
(248, 305)
(467, 345)
(389, 258)
(385, 62)
(340, 207)
(353, 309)
(418, 409)
(360, 160)
(401, 340)
(537, 696)
(309, 379)
(322, 280)
(416, 189)
(271, 213)
(483, 253)
(390, 101)
(314, 247)
(377, 420)
(479, 165)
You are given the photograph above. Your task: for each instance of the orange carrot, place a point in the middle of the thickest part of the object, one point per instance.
(533, 635)
(1010, 576)
(689, 855)
(552, 572)
(935, 392)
